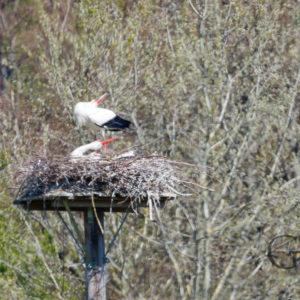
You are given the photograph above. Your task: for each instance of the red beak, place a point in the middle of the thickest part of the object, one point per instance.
(107, 141)
(100, 99)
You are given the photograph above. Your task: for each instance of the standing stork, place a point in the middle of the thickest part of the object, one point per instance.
(93, 116)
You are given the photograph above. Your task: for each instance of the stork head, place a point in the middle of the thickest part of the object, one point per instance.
(100, 99)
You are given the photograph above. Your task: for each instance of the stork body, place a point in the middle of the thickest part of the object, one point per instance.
(90, 114)
(96, 145)
(80, 151)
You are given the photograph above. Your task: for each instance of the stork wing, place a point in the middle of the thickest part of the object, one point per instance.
(101, 116)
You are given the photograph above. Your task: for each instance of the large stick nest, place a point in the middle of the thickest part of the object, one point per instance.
(132, 177)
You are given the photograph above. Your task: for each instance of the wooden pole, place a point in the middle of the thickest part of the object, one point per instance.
(95, 269)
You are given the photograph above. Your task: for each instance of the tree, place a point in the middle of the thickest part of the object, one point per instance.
(222, 75)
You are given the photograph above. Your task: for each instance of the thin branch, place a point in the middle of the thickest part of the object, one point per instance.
(39, 252)
(288, 124)
(194, 8)
(172, 257)
(96, 215)
(66, 16)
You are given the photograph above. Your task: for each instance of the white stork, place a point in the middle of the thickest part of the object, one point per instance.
(96, 145)
(90, 114)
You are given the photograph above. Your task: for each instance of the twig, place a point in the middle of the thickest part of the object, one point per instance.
(171, 255)
(41, 255)
(66, 15)
(96, 215)
(288, 124)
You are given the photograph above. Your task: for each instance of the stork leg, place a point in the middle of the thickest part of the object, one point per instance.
(103, 136)
(95, 138)
(104, 146)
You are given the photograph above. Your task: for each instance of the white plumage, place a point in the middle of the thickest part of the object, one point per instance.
(90, 114)
(80, 151)
(95, 117)
(130, 153)
(96, 145)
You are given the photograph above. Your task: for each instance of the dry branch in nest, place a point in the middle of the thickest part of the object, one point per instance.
(134, 177)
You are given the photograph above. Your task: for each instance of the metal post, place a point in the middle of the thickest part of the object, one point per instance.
(94, 242)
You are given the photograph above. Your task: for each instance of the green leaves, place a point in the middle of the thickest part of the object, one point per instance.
(3, 161)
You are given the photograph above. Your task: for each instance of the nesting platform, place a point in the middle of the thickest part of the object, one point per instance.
(94, 186)
(81, 201)
(117, 184)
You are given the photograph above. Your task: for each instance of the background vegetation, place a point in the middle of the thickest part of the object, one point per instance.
(213, 83)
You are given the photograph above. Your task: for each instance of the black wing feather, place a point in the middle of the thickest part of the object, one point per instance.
(116, 124)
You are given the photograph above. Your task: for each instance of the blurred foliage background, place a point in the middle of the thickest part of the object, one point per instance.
(213, 83)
